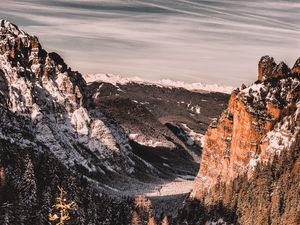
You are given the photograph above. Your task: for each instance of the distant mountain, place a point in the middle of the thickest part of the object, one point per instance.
(116, 79)
(158, 116)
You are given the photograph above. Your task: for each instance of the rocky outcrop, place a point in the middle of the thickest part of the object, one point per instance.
(260, 124)
(296, 67)
(268, 69)
(266, 66)
(281, 70)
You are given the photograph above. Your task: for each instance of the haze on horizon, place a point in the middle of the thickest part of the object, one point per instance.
(211, 41)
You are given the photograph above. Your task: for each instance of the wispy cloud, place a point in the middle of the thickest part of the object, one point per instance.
(212, 41)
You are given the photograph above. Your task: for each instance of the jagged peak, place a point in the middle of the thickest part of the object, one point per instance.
(9, 28)
(13, 40)
(266, 58)
(25, 61)
(297, 63)
(268, 68)
(282, 64)
(281, 70)
(296, 67)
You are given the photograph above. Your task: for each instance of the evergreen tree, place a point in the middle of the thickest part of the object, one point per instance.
(165, 221)
(151, 221)
(63, 207)
(44, 209)
(28, 188)
(136, 219)
(6, 218)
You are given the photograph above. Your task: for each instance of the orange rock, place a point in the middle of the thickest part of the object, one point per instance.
(234, 141)
(266, 66)
(296, 67)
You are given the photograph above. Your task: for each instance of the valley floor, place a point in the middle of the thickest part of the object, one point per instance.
(181, 185)
(176, 187)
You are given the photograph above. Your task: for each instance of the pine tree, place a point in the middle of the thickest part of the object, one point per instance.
(44, 209)
(28, 188)
(7, 214)
(27, 193)
(165, 221)
(63, 207)
(151, 221)
(136, 219)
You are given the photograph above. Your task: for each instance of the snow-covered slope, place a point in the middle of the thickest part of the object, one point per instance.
(116, 79)
(40, 87)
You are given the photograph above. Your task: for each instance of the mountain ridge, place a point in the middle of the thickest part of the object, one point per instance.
(117, 79)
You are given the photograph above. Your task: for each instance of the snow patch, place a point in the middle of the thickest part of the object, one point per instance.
(193, 136)
(220, 221)
(81, 120)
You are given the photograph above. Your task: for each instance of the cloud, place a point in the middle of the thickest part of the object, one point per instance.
(209, 41)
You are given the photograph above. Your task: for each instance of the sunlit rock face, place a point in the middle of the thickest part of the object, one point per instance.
(28, 66)
(260, 122)
(281, 70)
(268, 69)
(266, 66)
(296, 67)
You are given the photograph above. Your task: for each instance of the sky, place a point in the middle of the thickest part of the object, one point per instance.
(208, 41)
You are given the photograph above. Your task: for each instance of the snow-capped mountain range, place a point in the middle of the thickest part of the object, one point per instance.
(117, 79)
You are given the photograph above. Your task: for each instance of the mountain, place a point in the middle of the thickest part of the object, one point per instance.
(249, 172)
(127, 151)
(48, 138)
(100, 141)
(39, 87)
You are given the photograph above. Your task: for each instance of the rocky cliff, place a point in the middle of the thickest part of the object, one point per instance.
(41, 87)
(259, 128)
(49, 137)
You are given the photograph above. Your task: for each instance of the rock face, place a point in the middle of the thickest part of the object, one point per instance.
(296, 67)
(281, 70)
(261, 123)
(266, 66)
(50, 137)
(40, 86)
(268, 69)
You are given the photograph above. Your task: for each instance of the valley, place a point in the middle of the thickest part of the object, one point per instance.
(133, 152)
